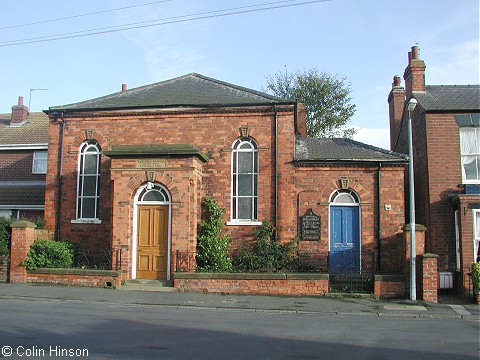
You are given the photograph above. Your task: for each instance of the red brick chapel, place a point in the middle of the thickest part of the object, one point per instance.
(130, 170)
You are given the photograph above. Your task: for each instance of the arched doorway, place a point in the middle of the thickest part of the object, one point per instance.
(151, 233)
(344, 256)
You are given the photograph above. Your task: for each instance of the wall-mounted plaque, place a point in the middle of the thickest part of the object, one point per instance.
(310, 226)
(151, 163)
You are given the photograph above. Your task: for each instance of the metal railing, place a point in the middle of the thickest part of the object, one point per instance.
(368, 263)
(102, 259)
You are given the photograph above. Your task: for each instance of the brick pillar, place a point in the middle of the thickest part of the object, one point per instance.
(23, 236)
(427, 277)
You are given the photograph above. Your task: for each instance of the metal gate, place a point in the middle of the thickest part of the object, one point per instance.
(351, 278)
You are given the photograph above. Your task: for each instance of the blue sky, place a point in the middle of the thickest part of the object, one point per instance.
(365, 41)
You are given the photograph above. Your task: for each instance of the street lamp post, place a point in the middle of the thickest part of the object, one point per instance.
(413, 288)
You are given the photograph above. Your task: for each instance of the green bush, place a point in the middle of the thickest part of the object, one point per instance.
(476, 275)
(264, 254)
(50, 254)
(213, 249)
(4, 237)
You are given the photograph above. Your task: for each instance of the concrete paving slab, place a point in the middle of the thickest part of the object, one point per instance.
(404, 307)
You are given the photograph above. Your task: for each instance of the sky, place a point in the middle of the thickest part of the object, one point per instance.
(240, 42)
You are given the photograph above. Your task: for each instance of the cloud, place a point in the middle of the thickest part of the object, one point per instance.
(457, 64)
(168, 50)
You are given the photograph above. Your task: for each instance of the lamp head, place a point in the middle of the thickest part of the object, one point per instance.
(411, 104)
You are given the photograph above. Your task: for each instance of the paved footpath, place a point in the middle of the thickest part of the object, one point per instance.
(301, 304)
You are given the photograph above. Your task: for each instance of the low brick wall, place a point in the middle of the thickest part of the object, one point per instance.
(4, 268)
(389, 286)
(262, 284)
(78, 277)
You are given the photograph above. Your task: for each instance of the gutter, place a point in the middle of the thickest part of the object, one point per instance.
(351, 161)
(379, 208)
(172, 106)
(22, 207)
(59, 175)
(23, 147)
(275, 118)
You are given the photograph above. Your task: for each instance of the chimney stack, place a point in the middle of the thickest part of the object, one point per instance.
(124, 87)
(396, 101)
(414, 73)
(19, 113)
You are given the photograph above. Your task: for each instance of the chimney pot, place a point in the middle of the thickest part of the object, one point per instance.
(396, 81)
(415, 52)
(124, 87)
(20, 100)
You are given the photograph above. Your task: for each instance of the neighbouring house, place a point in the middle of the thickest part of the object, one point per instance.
(129, 171)
(23, 162)
(446, 152)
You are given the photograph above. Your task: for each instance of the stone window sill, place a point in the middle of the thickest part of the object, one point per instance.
(86, 221)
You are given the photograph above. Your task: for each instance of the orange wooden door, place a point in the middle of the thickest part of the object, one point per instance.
(152, 242)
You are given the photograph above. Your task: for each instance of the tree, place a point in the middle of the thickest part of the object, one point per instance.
(325, 96)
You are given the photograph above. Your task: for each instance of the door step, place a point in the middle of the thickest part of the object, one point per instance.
(148, 285)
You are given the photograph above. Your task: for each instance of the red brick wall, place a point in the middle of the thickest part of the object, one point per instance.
(436, 145)
(17, 166)
(445, 174)
(389, 286)
(273, 286)
(22, 237)
(4, 266)
(188, 180)
(428, 282)
(314, 186)
(74, 279)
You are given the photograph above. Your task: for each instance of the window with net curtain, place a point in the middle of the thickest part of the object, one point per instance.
(88, 180)
(470, 153)
(244, 180)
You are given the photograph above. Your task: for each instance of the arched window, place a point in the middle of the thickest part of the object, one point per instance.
(244, 180)
(153, 193)
(88, 181)
(344, 197)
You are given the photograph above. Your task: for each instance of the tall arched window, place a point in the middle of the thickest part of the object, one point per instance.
(88, 181)
(244, 180)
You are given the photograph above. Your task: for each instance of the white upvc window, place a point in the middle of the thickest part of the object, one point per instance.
(244, 205)
(39, 165)
(88, 182)
(470, 154)
(476, 235)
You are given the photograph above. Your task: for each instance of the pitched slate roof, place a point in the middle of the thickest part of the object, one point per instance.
(449, 98)
(22, 195)
(192, 90)
(341, 149)
(33, 132)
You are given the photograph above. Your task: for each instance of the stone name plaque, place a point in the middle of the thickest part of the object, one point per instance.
(310, 226)
(151, 163)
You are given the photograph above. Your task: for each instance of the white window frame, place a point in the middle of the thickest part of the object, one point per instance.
(476, 234)
(84, 150)
(37, 160)
(457, 239)
(139, 200)
(236, 149)
(470, 150)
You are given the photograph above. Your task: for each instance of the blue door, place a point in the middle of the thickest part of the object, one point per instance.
(344, 240)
